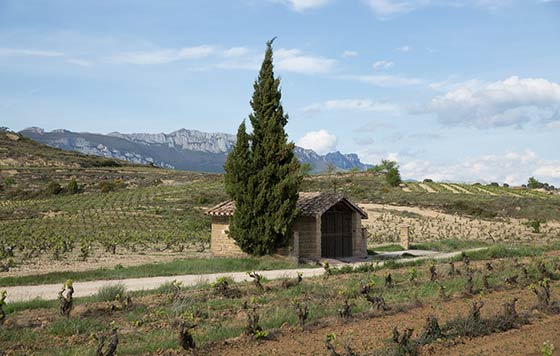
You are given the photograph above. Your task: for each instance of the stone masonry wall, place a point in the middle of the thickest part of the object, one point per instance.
(308, 233)
(359, 241)
(221, 244)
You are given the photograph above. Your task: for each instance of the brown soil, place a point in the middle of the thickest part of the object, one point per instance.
(99, 259)
(366, 334)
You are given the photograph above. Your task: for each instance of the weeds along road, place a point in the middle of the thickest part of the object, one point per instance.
(85, 289)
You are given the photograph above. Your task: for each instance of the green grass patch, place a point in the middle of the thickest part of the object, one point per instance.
(448, 245)
(29, 304)
(385, 248)
(111, 292)
(74, 326)
(173, 268)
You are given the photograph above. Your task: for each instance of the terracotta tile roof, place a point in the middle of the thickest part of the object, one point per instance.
(309, 204)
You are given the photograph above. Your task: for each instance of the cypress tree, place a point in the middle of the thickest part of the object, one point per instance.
(262, 172)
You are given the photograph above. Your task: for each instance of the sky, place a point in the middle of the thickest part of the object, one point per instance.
(458, 90)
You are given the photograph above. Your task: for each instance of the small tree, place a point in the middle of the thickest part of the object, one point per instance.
(53, 188)
(393, 177)
(534, 184)
(72, 187)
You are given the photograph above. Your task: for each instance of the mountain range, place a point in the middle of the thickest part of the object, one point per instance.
(183, 149)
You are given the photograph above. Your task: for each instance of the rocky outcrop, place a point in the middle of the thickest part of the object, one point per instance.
(182, 149)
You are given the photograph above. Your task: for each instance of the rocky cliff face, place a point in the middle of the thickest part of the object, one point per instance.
(182, 149)
(192, 140)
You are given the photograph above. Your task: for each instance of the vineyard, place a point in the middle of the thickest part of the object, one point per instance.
(479, 302)
(505, 301)
(77, 227)
(162, 212)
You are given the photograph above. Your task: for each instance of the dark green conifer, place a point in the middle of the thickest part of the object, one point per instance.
(262, 172)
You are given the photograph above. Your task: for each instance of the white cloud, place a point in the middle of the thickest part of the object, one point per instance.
(294, 60)
(164, 56)
(319, 141)
(352, 105)
(511, 102)
(80, 62)
(13, 52)
(383, 64)
(404, 49)
(385, 9)
(235, 52)
(549, 171)
(386, 80)
(348, 54)
(511, 167)
(301, 5)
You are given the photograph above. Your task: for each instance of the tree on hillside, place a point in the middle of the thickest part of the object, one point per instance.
(391, 170)
(534, 183)
(384, 166)
(262, 171)
(393, 176)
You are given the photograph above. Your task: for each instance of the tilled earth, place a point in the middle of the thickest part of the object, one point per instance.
(366, 334)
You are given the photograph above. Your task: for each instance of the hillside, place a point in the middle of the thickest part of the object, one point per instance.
(17, 150)
(27, 167)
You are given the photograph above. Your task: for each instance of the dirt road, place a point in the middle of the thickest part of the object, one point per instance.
(84, 289)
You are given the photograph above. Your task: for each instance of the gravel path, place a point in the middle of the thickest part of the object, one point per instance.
(84, 289)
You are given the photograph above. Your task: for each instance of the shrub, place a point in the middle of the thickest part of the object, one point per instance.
(107, 186)
(111, 292)
(535, 225)
(534, 184)
(53, 188)
(9, 181)
(72, 187)
(393, 177)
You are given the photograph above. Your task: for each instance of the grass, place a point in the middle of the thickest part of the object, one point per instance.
(448, 245)
(174, 268)
(111, 292)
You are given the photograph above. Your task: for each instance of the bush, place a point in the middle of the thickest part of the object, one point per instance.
(9, 181)
(72, 187)
(534, 184)
(53, 188)
(111, 292)
(107, 186)
(393, 177)
(535, 225)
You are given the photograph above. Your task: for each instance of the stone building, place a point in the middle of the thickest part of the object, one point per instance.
(328, 226)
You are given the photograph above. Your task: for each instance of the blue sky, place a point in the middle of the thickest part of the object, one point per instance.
(462, 90)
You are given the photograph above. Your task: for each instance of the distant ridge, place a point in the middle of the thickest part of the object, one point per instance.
(183, 149)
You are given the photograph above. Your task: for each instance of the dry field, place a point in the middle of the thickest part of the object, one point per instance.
(427, 225)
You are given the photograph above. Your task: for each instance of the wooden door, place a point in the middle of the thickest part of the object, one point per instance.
(336, 233)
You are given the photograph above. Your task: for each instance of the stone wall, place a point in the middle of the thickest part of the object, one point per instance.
(309, 235)
(221, 244)
(359, 240)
